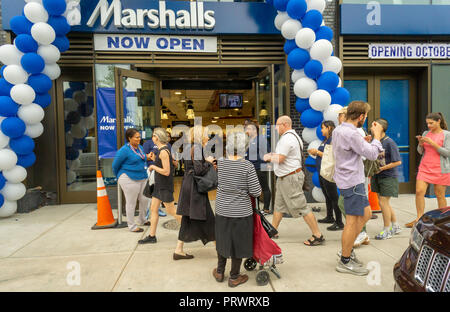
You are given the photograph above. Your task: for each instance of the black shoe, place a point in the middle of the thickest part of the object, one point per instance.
(327, 220)
(148, 240)
(335, 227)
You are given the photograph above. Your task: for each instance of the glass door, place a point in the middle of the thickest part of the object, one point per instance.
(137, 103)
(77, 142)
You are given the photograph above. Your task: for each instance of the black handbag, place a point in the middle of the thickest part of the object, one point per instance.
(148, 190)
(207, 182)
(268, 227)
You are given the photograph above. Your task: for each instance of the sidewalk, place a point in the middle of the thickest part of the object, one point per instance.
(37, 251)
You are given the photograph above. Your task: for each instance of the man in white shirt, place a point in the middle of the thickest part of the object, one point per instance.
(289, 195)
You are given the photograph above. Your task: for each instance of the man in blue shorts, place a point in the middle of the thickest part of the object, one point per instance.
(349, 147)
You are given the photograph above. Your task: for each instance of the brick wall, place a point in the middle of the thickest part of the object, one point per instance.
(331, 20)
(2, 33)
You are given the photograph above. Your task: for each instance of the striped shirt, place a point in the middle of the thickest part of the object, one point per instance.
(237, 180)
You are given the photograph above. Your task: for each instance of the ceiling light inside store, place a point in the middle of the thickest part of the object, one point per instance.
(216, 117)
(178, 93)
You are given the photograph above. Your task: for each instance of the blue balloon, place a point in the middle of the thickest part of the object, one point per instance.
(324, 32)
(298, 58)
(2, 181)
(67, 126)
(313, 69)
(90, 101)
(310, 164)
(85, 110)
(20, 25)
(79, 144)
(312, 19)
(8, 108)
(62, 43)
(302, 104)
(311, 118)
(13, 127)
(43, 99)
(319, 133)
(40, 83)
(2, 69)
(269, 2)
(26, 160)
(2, 200)
(280, 5)
(77, 86)
(54, 7)
(25, 43)
(68, 93)
(340, 96)
(5, 87)
(289, 45)
(73, 118)
(23, 145)
(59, 24)
(296, 9)
(32, 63)
(315, 179)
(328, 81)
(71, 153)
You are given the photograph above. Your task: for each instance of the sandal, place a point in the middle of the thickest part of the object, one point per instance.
(316, 241)
(137, 230)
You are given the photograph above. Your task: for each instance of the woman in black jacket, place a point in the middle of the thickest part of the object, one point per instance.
(198, 222)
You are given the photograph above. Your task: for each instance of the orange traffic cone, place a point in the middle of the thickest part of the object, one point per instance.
(105, 218)
(373, 201)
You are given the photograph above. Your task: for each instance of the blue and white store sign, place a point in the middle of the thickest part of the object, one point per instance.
(162, 17)
(164, 43)
(409, 51)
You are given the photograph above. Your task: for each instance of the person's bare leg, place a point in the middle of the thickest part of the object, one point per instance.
(313, 226)
(386, 210)
(179, 249)
(439, 191)
(170, 208)
(349, 234)
(276, 220)
(421, 189)
(154, 216)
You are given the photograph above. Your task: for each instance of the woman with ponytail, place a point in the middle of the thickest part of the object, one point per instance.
(434, 167)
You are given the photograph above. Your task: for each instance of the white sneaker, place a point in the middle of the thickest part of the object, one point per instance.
(352, 268)
(353, 257)
(396, 229)
(362, 239)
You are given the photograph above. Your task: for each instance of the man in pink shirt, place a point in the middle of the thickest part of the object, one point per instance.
(349, 147)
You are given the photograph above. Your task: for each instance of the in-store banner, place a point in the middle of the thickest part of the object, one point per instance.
(106, 119)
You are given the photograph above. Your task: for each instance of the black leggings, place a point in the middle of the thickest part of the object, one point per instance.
(235, 266)
(264, 182)
(329, 190)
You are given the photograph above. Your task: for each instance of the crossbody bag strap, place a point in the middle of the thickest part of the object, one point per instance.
(301, 149)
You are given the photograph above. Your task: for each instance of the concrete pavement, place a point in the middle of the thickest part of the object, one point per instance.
(47, 248)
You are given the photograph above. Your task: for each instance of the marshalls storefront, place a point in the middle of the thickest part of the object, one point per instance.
(139, 63)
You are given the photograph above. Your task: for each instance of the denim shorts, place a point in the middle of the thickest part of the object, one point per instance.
(355, 200)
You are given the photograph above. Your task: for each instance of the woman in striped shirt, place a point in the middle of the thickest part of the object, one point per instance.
(234, 214)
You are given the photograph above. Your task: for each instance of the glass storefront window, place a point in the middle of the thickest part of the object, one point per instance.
(105, 85)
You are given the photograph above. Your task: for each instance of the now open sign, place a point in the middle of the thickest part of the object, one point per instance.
(193, 44)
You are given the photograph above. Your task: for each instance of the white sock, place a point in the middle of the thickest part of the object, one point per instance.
(387, 229)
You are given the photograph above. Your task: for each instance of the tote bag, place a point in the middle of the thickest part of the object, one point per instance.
(328, 163)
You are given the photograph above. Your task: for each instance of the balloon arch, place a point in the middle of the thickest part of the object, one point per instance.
(30, 66)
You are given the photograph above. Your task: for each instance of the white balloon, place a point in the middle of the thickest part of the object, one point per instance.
(78, 131)
(71, 176)
(34, 130)
(43, 33)
(318, 5)
(314, 144)
(88, 122)
(69, 139)
(70, 105)
(320, 100)
(15, 74)
(309, 135)
(317, 194)
(304, 87)
(332, 64)
(15, 175)
(10, 55)
(4, 140)
(340, 83)
(38, 1)
(31, 114)
(23, 94)
(297, 74)
(280, 19)
(305, 38)
(49, 53)
(52, 71)
(8, 159)
(290, 28)
(13, 191)
(332, 113)
(35, 12)
(80, 96)
(75, 164)
(321, 50)
(8, 209)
